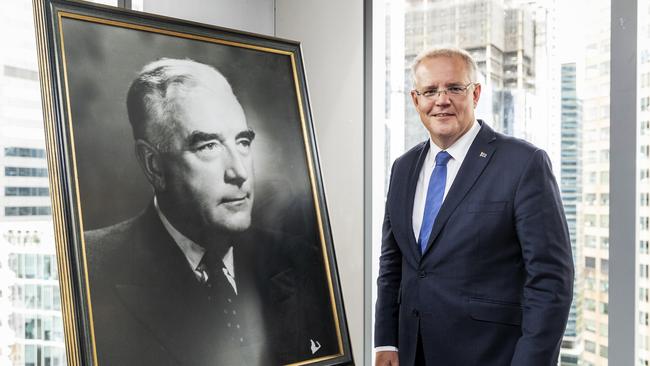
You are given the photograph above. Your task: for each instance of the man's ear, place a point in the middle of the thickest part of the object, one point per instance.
(150, 162)
(414, 97)
(476, 94)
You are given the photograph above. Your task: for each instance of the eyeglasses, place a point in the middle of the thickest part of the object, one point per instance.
(451, 91)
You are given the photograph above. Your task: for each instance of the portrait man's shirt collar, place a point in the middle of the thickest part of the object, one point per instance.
(194, 252)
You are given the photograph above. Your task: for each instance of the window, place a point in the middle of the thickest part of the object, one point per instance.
(25, 172)
(590, 262)
(28, 211)
(603, 351)
(30, 354)
(26, 191)
(604, 308)
(590, 346)
(590, 304)
(25, 152)
(643, 294)
(18, 72)
(604, 266)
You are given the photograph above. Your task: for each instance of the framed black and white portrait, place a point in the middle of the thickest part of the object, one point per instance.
(190, 217)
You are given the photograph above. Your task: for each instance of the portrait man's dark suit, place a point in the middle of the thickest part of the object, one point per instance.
(149, 309)
(493, 285)
(191, 280)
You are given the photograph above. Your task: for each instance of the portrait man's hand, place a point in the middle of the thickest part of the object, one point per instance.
(386, 358)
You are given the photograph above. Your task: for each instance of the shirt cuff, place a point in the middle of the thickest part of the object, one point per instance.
(385, 348)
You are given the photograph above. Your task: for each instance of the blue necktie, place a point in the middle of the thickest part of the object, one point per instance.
(435, 193)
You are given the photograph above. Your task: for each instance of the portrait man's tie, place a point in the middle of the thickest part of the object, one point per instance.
(435, 193)
(222, 294)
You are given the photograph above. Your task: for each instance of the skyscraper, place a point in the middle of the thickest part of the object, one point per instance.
(501, 38)
(643, 252)
(593, 263)
(30, 325)
(474, 25)
(570, 189)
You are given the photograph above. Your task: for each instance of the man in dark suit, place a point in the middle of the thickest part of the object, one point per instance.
(190, 281)
(475, 266)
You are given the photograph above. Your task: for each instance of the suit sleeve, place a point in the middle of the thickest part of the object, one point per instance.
(388, 283)
(546, 250)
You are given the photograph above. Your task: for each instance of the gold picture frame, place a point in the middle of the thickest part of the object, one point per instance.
(88, 56)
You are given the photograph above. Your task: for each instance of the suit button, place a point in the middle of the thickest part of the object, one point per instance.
(416, 313)
(422, 274)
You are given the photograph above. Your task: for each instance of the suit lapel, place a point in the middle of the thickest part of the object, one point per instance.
(164, 295)
(411, 184)
(477, 158)
(175, 326)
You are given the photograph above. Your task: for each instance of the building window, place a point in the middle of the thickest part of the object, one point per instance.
(590, 241)
(12, 171)
(603, 351)
(644, 199)
(604, 266)
(590, 346)
(645, 128)
(604, 286)
(645, 151)
(30, 355)
(604, 221)
(604, 308)
(604, 243)
(644, 246)
(590, 304)
(590, 262)
(645, 174)
(27, 210)
(19, 72)
(25, 152)
(590, 325)
(26, 191)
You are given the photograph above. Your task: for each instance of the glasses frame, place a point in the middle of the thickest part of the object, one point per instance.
(437, 93)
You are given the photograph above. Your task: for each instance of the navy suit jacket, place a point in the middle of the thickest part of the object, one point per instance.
(494, 285)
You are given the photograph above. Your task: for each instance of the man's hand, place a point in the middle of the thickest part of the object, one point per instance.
(386, 358)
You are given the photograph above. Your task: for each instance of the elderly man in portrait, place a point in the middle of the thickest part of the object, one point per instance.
(475, 264)
(190, 281)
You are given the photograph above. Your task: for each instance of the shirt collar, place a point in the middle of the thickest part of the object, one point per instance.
(458, 149)
(192, 251)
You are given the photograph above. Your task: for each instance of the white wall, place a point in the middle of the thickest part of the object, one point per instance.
(248, 15)
(331, 33)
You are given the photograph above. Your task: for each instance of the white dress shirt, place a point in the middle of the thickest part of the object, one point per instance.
(458, 151)
(194, 252)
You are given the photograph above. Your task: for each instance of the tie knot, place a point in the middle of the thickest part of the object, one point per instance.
(442, 158)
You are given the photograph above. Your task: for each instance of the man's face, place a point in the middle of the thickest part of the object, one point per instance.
(446, 116)
(209, 171)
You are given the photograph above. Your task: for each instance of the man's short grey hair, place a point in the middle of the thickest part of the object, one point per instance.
(446, 51)
(151, 98)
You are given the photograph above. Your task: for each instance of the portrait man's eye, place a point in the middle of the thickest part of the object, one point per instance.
(244, 142)
(209, 146)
